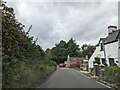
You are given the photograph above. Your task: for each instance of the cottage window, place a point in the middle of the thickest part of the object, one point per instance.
(103, 60)
(111, 61)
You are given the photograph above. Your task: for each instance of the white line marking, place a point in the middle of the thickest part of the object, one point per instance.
(90, 78)
(85, 76)
(82, 74)
(103, 84)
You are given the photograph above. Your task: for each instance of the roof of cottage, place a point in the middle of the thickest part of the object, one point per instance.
(101, 39)
(112, 37)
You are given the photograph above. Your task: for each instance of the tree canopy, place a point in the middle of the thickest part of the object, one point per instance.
(61, 50)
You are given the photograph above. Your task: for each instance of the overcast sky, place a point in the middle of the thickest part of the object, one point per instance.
(86, 22)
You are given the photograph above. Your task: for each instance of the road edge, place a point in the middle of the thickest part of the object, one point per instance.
(97, 81)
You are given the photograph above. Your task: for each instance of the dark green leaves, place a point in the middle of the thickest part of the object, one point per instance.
(61, 50)
(23, 61)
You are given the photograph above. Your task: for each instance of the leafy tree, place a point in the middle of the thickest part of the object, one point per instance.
(23, 63)
(72, 48)
(57, 53)
(87, 50)
(49, 54)
(61, 50)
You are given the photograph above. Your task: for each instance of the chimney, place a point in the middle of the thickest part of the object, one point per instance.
(111, 29)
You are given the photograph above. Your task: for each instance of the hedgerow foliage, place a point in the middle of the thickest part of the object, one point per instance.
(23, 61)
(111, 74)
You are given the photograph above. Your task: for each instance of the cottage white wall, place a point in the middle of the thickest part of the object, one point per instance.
(112, 51)
(90, 62)
(119, 52)
(97, 53)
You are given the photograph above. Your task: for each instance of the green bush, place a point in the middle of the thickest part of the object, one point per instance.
(81, 68)
(23, 61)
(24, 76)
(97, 60)
(111, 74)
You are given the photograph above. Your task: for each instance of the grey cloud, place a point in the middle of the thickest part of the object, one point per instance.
(53, 21)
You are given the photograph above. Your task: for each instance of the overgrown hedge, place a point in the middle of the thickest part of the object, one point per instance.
(111, 74)
(29, 77)
(24, 63)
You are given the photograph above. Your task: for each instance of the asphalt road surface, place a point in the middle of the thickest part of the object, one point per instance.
(68, 78)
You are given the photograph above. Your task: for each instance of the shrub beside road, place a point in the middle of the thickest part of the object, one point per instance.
(111, 75)
(24, 63)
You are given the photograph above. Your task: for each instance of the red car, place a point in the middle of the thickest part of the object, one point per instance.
(61, 65)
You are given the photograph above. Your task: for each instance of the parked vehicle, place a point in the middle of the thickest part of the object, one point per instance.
(61, 65)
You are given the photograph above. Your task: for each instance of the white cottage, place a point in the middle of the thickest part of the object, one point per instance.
(108, 49)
